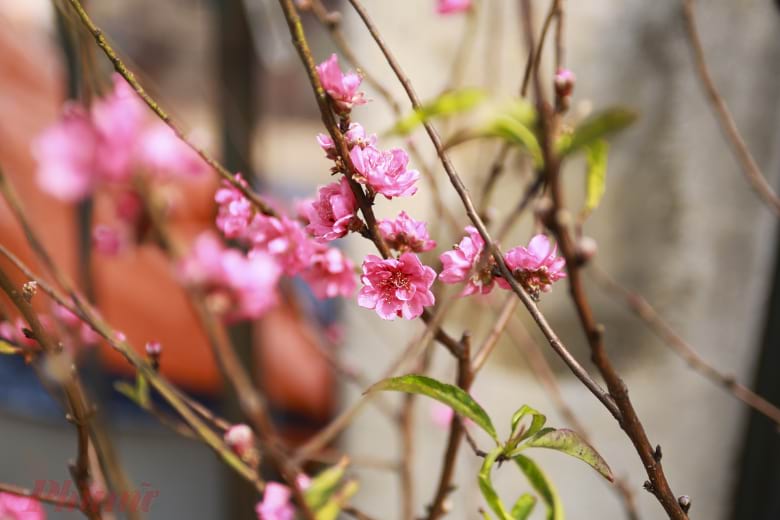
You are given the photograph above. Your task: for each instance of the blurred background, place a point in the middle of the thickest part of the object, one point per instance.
(678, 224)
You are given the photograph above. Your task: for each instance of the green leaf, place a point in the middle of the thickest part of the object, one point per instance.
(596, 177)
(516, 132)
(485, 514)
(542, 486)
(570, 443)
(138, 393)
(447, 104)
(461, 402)
(537, 422)
(324, 484)
(524, 506)
(8, 348)
(594, 128)
(331, 510)
(486, 485)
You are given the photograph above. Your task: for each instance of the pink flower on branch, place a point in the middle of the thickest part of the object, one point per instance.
(453, 6)
(235, 211)
(467, 262)
(283, 239)
(276, 503)
(385, 172)
(406, 234)
(161, 152)
(535, 267)
(396, 287)
(355, 136)
(342, 88)
(331, 274)
(332, 213)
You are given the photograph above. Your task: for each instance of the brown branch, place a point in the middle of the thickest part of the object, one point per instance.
(536, 50)
(728, 126)
(544, 375)
(79, 411)
(628, 419)
(464, 380)
(644, 311)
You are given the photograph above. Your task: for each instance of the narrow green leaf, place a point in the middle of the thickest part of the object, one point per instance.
(596, 127)
(537, 422)
(486, 485)
(142, 390)
(331, 510)
(516, 132)
(447, 104)
(596, 177)
(323, 485)
(461, 402)
(8, 348)
(569, 442)
(485, 514)
(524, 506)
(542, 486)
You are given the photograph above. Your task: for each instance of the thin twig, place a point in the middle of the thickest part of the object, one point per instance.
(48, 498)
(642, 309)
(481, 357)
(728, 126)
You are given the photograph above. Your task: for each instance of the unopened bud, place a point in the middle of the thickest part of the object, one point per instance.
(685, 502)
(586, 249)
(564, 83)
(153, 350)
(242, 441)
(29, 289)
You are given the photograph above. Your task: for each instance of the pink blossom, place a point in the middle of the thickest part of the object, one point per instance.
(162, 152)
(276, 503)
(406, 234)
(396, 287)
(535, 267)
(331, 274)
(253, 281)
(204, 262)
(65, 153)
(332, 213)
(235, 211)
(342, 88)
(467, 256)
(564, 82)
(385, 172)
(13, 507)
(453, 6)
(355, 136)
(283, 239)
(107, 240)
(118, 119)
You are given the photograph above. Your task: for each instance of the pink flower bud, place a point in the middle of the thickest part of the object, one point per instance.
(564, 83)
(153, 348)
(240, 438)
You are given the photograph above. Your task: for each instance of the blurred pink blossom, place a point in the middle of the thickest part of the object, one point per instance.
(276, 503)
(396, 287)
(341, 87)
(107, 240)
(13, 507)
(235, 211)
(283, 239)
(161, 152)
(331, 274)
(453, 6)
(406, 234)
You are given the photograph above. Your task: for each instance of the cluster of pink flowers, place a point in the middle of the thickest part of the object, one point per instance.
(393, 287)
(13, 507)
(535, 267)
(105, 146)
(108, 144)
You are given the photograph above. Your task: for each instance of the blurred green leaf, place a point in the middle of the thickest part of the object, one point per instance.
(523, 507)
(537, 422)
(447, 104)
(324, 485)
(517, 132)
(597, 126)
(8, 348)
(542, 486)
(486, 485)
(570, 443)
(461, 402)
(596, 175)
(331, 510)
(138, 393)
